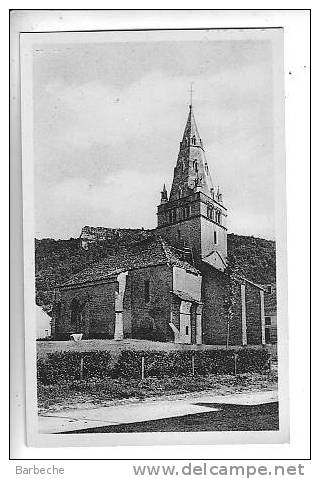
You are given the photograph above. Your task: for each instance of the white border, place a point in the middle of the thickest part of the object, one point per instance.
(27, 42)
(230, 18)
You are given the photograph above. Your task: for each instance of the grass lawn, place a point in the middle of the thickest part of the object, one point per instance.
(103, 392)
(226, 417)
(47, 347)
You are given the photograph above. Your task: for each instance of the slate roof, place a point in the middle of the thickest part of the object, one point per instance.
(150, 252)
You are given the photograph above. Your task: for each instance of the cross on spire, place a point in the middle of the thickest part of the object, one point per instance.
(191, 92)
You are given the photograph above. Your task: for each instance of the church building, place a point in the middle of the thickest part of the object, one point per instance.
(173, 285)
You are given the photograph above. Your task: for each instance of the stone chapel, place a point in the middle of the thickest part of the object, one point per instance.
(171, 286)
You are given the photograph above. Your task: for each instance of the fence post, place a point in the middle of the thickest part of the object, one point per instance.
(228, 334)
(192, 364)
(235, 363)
(142, 367)
(81, 368)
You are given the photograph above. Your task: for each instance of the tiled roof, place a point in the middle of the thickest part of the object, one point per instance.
(150, 252)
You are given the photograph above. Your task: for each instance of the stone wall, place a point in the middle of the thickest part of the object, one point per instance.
(208, 228)
(196, 230)
(182, 233)
(253, 313)
(273, 329)
(236, 321)
(214, 320)
(98, 314)
(111, 236)
(187, 282)
(214, 316)
(149, 320)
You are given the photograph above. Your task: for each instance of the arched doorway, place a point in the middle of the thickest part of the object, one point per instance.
(76, 316)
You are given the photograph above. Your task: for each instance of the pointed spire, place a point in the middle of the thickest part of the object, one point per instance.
(191, 135)
(192, 171)
(164, 195)
(219, 195)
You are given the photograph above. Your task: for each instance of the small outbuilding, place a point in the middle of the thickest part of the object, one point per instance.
(43, 323)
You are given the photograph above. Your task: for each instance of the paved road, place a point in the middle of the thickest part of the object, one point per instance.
(225, 417)
(134, 414)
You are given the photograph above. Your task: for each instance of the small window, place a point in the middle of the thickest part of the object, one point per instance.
(195, 166)
(268, 289)
(75, 312)
(268, 335)
(185, 212)
(215, 237)
(267, 321)
(174, 215)
(187, 330)
(147, 291)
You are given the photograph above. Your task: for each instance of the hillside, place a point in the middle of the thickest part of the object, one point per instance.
(255, 257)
(57, 260)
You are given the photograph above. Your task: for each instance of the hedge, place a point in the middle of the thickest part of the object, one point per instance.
(66, 366)
(179, 363)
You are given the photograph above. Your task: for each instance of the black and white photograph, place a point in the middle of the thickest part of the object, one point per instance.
(154, 236)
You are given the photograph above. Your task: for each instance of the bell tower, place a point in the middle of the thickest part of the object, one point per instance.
(193, 218)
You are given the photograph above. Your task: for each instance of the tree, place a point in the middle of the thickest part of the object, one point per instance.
(230, 299)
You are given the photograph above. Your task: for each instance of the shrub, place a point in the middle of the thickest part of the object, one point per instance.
(65, 366)
(179, 363)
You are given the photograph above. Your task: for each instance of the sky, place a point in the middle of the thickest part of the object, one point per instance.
(108, 119)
